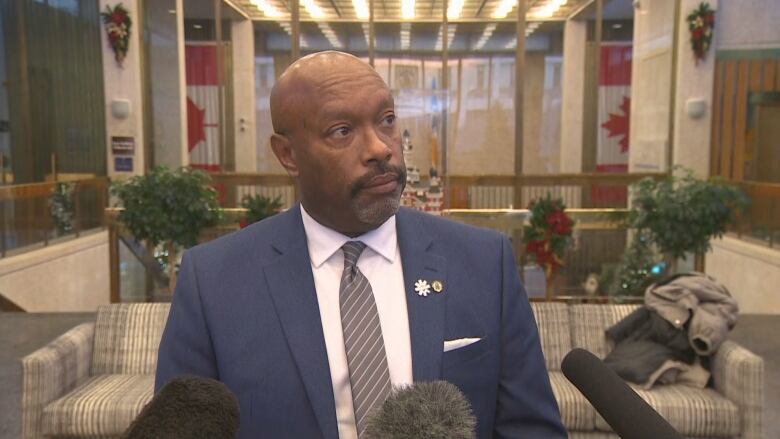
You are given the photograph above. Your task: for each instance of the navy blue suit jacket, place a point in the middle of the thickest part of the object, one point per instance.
(245, 312)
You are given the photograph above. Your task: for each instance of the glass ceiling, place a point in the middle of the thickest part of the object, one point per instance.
(408, 10)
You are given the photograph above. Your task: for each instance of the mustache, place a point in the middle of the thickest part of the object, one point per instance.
(380, 169)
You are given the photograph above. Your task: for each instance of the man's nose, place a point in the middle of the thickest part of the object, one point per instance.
(376, 148)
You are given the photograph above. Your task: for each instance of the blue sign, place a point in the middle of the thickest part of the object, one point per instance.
(123, 164)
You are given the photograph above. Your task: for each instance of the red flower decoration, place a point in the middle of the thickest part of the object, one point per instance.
(117, 23)
(559, 223)
(118, 17)
(548, 234)
(701, 23)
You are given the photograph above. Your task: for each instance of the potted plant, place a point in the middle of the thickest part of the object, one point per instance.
(639, 266)
(259, 208)
(168, 208)
(547, 236)
(680, 214)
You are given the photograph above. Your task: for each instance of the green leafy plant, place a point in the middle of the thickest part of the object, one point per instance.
(670, 218)
(61, 207)
(680, 214)
(638, 268)
(169, 208)
(259, 208)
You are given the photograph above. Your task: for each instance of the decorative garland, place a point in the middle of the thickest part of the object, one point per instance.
(117, 23)
(701, 23)
(548, 234)
(62, 208)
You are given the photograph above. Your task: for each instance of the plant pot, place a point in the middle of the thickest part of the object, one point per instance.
(549, 289)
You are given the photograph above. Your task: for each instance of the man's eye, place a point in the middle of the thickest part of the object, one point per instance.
(389, 120)
(340, 132)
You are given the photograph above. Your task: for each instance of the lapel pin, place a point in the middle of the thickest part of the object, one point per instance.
(422, 287)
(438, 286)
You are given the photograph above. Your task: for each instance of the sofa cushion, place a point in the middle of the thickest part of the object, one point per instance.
(127, 337)
(552, 320)
(588, 323)
(104, 405)
(693, 412)
(576, 411)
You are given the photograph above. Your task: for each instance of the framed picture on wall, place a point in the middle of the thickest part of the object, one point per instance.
(406, 76)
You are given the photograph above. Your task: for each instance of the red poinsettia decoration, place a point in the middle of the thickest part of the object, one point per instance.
(548, 234)
(701, 23)
(117, 23)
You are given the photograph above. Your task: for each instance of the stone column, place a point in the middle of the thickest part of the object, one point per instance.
(573, 92)
(651, 82)
(167, 83)
(124, 97)
(243, 39)
(692, 127)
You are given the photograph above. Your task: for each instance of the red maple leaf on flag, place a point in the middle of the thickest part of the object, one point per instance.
(618, 125)
(196, 131)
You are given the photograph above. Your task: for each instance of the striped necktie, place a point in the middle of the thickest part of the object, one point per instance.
(369, 376)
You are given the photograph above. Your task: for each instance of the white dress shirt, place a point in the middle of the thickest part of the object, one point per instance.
(380, 262)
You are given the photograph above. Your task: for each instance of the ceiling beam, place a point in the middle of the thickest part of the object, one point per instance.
(581, 9)
(239, 10)
(336, 8)
(479, 11)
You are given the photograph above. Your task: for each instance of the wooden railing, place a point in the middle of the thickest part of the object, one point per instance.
(128, 258)
(600, 238)
(26, 221)
(466, 192)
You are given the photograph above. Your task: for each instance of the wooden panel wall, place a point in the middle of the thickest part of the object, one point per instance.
(737, 74)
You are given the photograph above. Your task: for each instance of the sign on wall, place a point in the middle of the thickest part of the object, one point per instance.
(122, 145)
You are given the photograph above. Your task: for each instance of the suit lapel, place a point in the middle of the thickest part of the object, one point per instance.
(291, 285)
(426, 313)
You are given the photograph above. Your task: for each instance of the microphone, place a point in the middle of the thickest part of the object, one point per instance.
(626, 412)
(188, 407)
(432, 410)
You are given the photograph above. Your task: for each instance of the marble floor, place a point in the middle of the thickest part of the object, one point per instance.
(22, 333)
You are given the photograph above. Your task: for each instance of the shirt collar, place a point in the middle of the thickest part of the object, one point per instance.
(324, 242)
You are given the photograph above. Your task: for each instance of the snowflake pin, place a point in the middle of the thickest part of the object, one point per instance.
(422, 287)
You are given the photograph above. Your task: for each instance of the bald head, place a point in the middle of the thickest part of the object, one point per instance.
(311, 78)
(335, 133)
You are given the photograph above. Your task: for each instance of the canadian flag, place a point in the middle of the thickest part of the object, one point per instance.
(614, 108)
(613, 121)
(202, 106)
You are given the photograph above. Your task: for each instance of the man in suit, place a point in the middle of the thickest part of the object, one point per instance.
(311, 316)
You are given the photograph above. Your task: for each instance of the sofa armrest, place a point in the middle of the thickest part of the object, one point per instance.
(739, 376)
(52, 371)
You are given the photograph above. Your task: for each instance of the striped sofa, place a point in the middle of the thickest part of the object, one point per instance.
(733, 409)
(94, 379)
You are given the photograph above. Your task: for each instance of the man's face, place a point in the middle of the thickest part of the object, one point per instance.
(348, 152)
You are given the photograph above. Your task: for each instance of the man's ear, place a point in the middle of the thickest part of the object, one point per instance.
(284, 153)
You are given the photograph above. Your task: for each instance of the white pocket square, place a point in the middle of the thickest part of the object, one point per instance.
(451, 345)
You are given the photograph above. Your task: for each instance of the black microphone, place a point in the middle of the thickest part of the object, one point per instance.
(188, 407)
(626, 412)
(433, 410)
